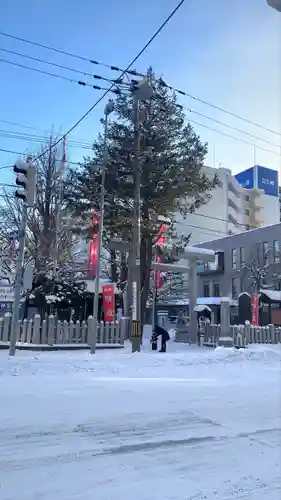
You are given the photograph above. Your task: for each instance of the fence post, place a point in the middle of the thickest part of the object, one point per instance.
(225, 317)
(51, 329)
(122, 330)
(7, 327)
(272, 336)
(28, 331)
(102, 330)
(23, 331)
(65, 332)
(92, 334)
(83, 332)
(111, 332)
(1, 329)
(126, 322)
(247, 330)
(44, 337)
(35, 339)
(116, 332)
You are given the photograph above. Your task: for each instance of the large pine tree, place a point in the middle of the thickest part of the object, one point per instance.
(172, 180)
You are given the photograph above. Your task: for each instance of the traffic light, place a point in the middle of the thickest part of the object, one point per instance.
(26, 179)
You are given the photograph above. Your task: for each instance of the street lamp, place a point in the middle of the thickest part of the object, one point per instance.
(109, 108)
(275, 4)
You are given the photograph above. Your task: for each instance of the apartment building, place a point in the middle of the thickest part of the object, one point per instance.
(265, 181)
(233, 208)
(244, 263)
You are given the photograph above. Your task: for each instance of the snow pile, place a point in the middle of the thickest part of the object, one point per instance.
(182, 361)
(172, 333)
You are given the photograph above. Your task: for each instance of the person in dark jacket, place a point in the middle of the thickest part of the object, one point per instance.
(160, 331)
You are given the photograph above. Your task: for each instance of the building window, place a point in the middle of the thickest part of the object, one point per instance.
(242, 256)
(233, 205)
(216, 290)
(234, 288)
(276, 251)
(246, 211)
(234, 258)
(206, 289)
(265, 253)
(247, 197)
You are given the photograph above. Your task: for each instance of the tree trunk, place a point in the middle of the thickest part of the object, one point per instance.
(113, 266)
(123, 270)
(145, 263)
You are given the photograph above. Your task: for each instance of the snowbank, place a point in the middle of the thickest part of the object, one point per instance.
(180, 361)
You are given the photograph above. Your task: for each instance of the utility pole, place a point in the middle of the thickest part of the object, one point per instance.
(109, 108)
(136, 295)
(142, 91)
(154, 301)
(58, 200)
(26, 178)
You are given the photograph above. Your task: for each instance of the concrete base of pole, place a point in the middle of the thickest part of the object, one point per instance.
(225, 342)
(136, 344)
(136, 337)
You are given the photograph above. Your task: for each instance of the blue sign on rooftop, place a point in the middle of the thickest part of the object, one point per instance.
(246, 178)
(267, 180)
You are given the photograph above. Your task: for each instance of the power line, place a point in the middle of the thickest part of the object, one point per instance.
(234, 138)
(71, 80)
(229, 126)
(135, 73)
(152, 38)
(41, 139)
(80, 144)
(118, 91)
(6, 166)
(68, 68)
(71, 54)
(206, 230)
(218, 108)
(46, 132)
(21, 153)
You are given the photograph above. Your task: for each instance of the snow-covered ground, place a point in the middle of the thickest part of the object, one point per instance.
(189, 424)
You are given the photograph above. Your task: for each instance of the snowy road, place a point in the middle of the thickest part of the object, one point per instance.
(186, 425)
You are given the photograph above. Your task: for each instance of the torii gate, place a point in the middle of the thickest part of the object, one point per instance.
(192, 255)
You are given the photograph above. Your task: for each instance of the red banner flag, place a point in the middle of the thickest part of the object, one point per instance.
(161, 238)
(255, 310)
(108, 298)
(158, 281)
(93, 248)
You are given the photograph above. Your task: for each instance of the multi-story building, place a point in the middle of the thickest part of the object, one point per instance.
(245, 262)
(263, 180)
(234, 207)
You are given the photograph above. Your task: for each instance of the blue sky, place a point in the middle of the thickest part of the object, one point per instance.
(225, 52)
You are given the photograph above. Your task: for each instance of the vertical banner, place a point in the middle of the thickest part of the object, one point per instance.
(93, 249)
(158, 280)
(255, 310)
(108, 299)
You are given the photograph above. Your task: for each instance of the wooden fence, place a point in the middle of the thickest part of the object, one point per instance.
(53, 333)
(243, 335)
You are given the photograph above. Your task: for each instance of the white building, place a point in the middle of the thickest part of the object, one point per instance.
(233, 207)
